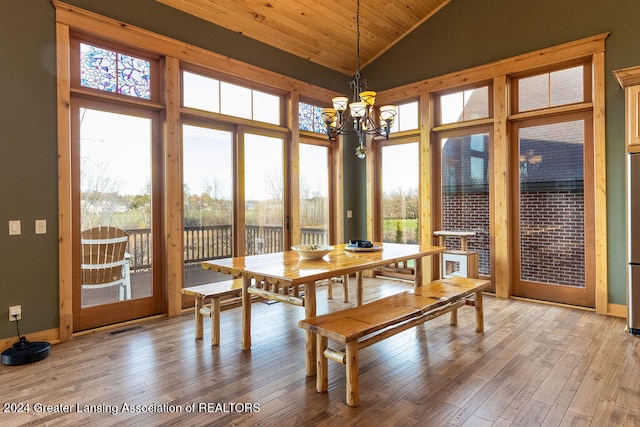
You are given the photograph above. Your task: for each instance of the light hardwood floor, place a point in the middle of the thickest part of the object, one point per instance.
(534, 365)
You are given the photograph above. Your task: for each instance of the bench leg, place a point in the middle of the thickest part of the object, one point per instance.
(199, 320)
(479, 312)
(330, 289)
(215, 321)
(360, 285)
(454, 318)
(353, 386)
(322, 379)
(310, 339)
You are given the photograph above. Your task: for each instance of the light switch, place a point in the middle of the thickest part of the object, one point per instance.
(349, 214)
(41, 226)
(14, 228)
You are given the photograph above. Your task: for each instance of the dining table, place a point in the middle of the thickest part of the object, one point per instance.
(288, 269)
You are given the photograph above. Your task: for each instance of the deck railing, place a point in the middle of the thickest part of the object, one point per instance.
(210, 242)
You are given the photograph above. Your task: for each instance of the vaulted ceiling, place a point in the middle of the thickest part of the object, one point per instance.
(323, 32)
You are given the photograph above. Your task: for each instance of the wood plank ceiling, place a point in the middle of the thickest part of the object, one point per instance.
(323, 32)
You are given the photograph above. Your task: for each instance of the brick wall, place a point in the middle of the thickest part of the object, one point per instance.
(552, 237)
(469, 212)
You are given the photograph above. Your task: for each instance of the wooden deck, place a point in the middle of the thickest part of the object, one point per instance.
(535, 365)
(141, 285)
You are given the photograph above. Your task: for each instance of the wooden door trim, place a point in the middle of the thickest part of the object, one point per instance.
(102, 315)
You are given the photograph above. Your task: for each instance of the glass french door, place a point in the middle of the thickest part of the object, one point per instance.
(264, 195)
(464, 190)
(229, 210)
(208, 200)
(400, 204)
(554, 248)
(314, 194)
(116, 184)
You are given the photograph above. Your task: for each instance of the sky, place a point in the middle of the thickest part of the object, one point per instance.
(120, 145)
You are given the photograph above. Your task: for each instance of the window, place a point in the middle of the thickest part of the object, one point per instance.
(264, 193)
(400, 203)
(465, 204)
(209, 94)
(407, 117)
(552, 89)
(208, 198)
(314, 194)
(464, 180)
(464, 105)
(116, 72)
(310, 118)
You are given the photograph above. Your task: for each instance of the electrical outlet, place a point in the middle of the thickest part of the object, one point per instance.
(15, 313)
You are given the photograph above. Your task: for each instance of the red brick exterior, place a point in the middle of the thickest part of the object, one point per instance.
(468, 212)
(552, 237)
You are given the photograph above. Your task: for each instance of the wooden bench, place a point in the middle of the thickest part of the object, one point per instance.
(361, 326)
(215, 291)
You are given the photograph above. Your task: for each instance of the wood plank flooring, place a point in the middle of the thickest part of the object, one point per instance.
(535, 365)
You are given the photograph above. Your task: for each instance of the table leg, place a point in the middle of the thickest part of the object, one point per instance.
(310, 337)
(479, 312)
(360, 286)
(345, 287)
(246, 314)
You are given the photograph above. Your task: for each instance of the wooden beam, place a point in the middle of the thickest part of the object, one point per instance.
(500, 197)
(65, 225)
(174, 202)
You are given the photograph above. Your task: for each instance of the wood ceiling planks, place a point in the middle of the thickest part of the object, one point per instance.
(322, 32)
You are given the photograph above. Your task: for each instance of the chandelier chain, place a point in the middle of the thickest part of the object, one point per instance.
(360, 112)
(358, 32)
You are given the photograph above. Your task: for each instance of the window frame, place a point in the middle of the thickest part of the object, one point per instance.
(76, 86)
(587, 84)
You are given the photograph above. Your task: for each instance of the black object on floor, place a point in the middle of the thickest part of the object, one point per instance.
(24, 352)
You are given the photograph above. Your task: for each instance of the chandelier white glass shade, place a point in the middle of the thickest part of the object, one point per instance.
(360, 112)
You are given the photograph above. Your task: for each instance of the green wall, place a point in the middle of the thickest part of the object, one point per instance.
(28, 173)
(463, 34)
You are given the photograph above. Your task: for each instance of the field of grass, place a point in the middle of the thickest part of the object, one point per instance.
(400, 230)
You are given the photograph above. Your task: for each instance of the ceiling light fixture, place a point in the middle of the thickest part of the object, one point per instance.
(360, 110)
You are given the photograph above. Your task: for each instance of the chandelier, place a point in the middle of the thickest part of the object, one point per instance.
(360, 111)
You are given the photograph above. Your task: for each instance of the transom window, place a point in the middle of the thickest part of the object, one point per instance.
(116, 72)
(310, 118)
(217, 96)
(407, 117)
(552, 89)
(464, 105)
